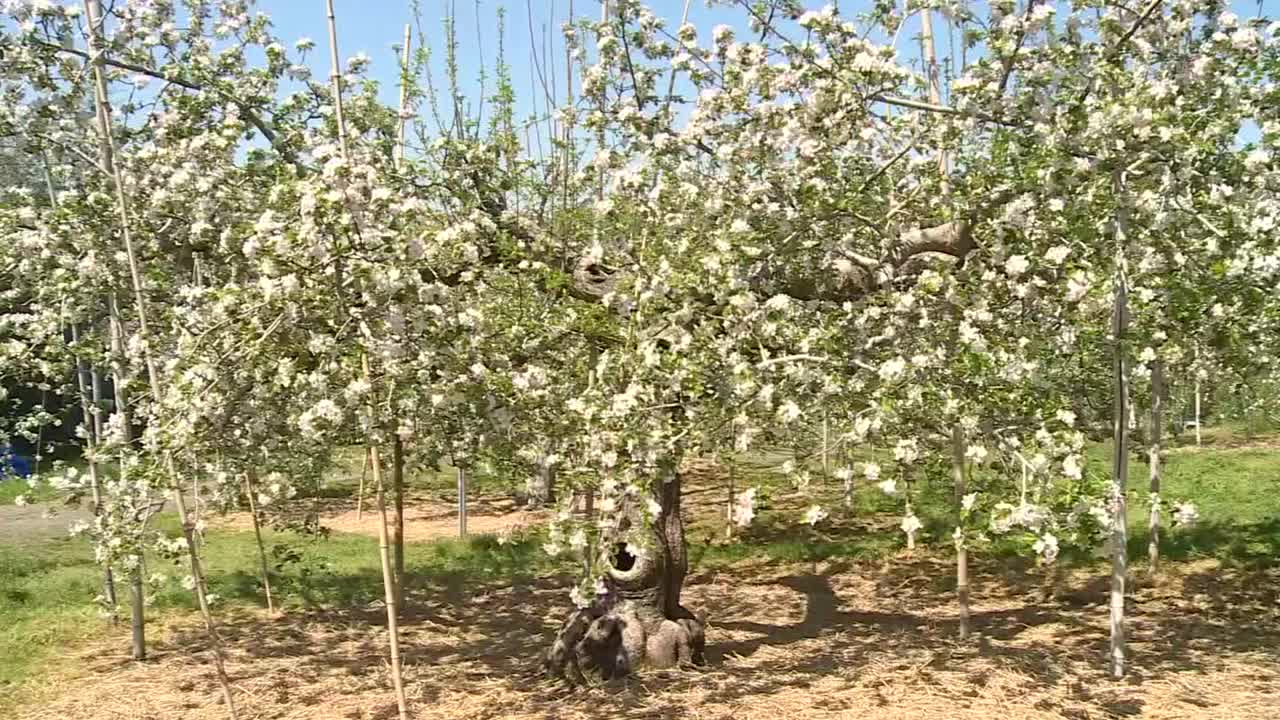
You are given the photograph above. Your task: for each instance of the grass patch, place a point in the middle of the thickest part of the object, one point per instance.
(46, 603)
(47, 587)
(11, 488)
(1235, 489)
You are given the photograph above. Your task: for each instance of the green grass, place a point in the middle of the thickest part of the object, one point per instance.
(10, 490)
(46, 594)
(47, 587)
(1236, 491)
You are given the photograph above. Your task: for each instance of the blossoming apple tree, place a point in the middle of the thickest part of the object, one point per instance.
(736, 236)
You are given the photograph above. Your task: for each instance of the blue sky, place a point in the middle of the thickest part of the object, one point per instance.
(375, 27)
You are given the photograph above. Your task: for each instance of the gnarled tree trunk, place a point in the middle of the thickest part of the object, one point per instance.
(639, 621)
(542, 486)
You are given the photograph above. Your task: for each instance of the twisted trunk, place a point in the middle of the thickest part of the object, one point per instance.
(542, 486)
(638, 621)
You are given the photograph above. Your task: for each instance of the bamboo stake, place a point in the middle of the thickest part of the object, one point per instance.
(92, 425)
(397, 447)
(137, 608)
(388, 578)
(388, 573)
(957, 432)
(197, 502)
(935, 82)
(962, 552)
(93, 12)
(462, 503)
(364, 471)
(39, 453)
(1198, 396)
(911, 536)
(91, 441)
(847, 454)
(1154, 460)
(251, 490)
(397, 529)
(402, 121)
(826, 443)
(728, 508)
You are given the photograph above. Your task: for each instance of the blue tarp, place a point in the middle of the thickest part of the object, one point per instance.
(20, 464)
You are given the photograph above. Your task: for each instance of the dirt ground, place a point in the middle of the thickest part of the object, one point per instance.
(425, 518)
(37, 521)
(864, 641)
(813, 641)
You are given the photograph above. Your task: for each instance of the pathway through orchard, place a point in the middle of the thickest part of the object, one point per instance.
(38, 521)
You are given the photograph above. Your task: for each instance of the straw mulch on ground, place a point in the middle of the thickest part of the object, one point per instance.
(811, 641)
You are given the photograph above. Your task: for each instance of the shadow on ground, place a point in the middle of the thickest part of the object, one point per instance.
(815, 640)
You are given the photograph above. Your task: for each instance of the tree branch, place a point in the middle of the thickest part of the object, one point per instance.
(249, 113)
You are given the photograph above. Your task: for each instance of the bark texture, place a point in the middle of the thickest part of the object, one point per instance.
(1120, 452)
(542, 486)
(639, 622)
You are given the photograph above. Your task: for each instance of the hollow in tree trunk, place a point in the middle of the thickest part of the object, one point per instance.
(639, 621)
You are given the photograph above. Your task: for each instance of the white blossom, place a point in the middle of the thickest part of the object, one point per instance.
(814, 515)
(744, 507)
(1046, 546)
(1016, 265)
(1185, 513)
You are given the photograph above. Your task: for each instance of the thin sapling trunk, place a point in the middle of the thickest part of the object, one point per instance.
(462, 502)
(397, 530)
(251, 490)
(1120, 453)
(1154, 460)
(94, 16)
(366, 373)
(962, 550)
